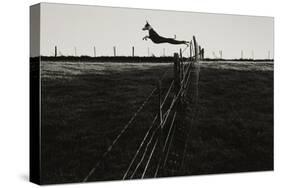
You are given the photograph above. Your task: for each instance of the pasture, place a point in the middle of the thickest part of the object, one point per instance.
(86, 105)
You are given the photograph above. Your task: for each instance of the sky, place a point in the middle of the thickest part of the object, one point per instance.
(77, 29)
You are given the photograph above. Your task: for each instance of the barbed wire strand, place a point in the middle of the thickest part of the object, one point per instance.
(144, 153)
(149, 159)
(119, 135)
(166, 141)
(140, 146)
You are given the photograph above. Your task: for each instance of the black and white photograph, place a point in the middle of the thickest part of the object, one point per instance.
(127, 93)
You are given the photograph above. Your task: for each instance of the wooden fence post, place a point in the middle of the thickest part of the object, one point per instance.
(114, 50)
(133, 51)
(176, 73)
(95, 52)
(200, 57)
(190, 50)
(195, 48)
(56, 51)
(181, 66)
(203, 53)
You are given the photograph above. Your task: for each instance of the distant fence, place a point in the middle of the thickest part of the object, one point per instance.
(156, 144)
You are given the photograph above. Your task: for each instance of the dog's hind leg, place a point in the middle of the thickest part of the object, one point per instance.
(173, 41)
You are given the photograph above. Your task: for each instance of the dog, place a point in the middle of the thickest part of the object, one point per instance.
(154, 37)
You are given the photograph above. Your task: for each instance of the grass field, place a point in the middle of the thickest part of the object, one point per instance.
(86, 105)
(234, 127)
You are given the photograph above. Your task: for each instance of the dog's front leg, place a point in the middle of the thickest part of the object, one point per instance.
(145, 38)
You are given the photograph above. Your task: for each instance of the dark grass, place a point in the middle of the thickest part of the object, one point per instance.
(234, 127)
(81, 116)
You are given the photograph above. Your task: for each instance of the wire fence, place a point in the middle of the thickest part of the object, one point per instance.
(154, 155)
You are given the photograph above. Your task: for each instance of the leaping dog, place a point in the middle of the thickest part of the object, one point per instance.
(159, 39)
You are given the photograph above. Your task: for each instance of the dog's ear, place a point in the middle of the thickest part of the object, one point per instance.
(147, 22)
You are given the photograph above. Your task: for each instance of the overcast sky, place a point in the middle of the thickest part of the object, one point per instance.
(83, 27)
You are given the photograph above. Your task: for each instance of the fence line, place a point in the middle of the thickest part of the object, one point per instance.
(167, 94)
(169, 146)
(120, 134)
(138, 150)
(166, 141)
(178, 88)
(182, 79)
(149, 159)
(144, 153)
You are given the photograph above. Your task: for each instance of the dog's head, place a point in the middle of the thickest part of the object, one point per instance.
(146, 26)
